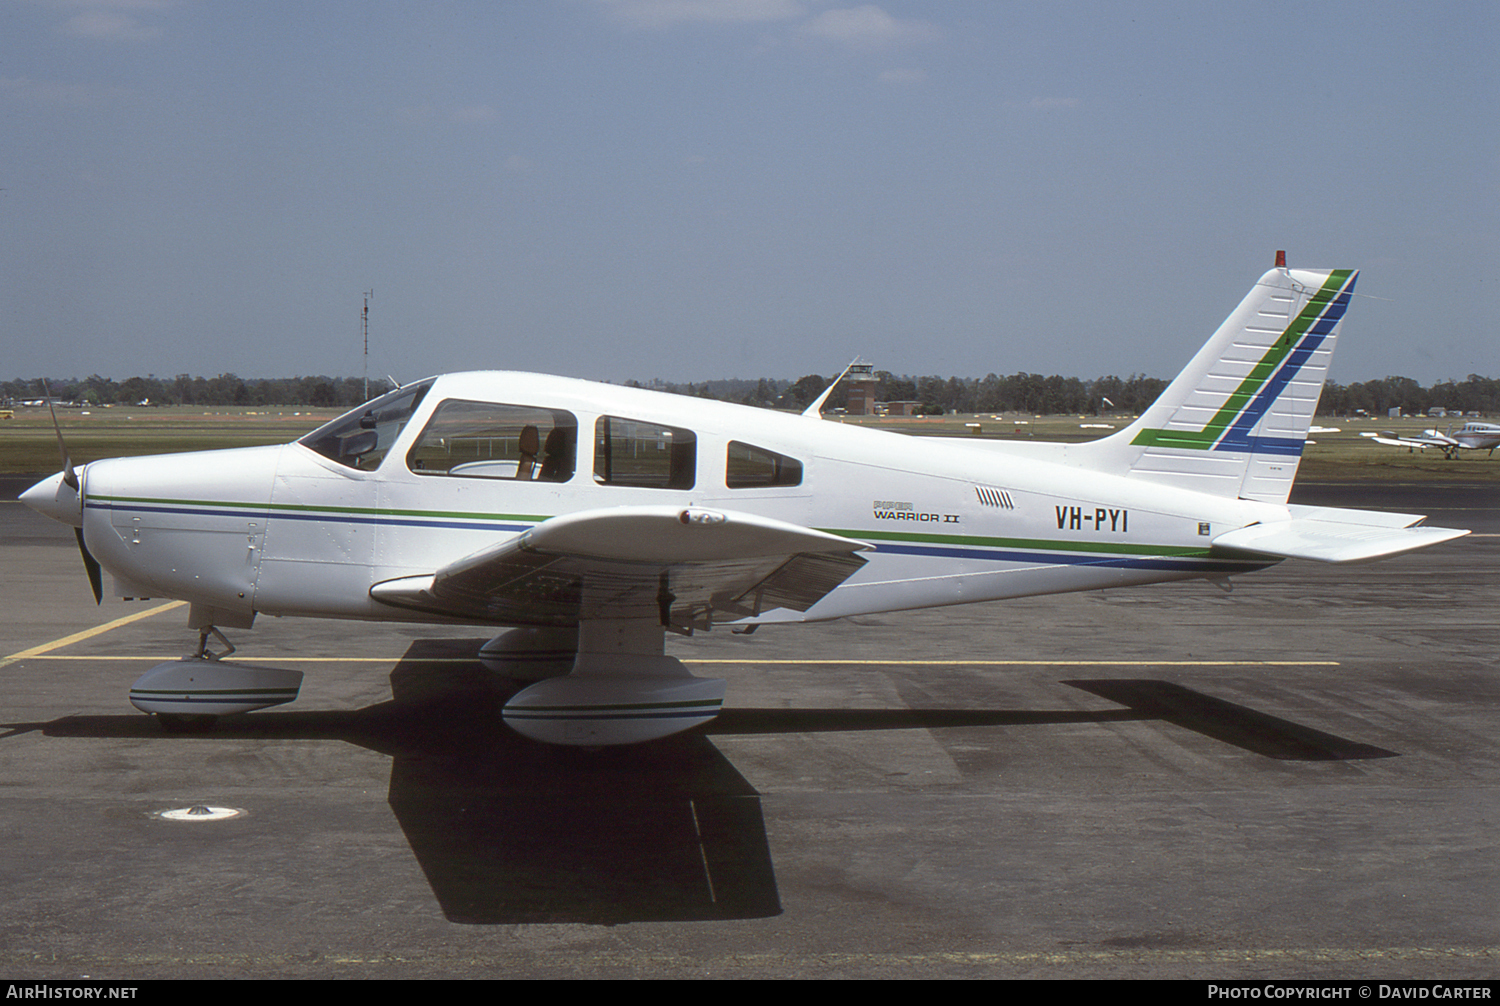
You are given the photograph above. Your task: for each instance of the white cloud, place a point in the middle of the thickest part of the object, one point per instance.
(110, 26)
(112, 20)
(666, 13)
(868, 28)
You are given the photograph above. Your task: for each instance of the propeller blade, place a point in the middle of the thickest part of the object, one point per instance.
(90, 564)
(70, 478)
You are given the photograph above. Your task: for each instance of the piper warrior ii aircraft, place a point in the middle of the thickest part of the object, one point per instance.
(1468, 437)
(594, 519)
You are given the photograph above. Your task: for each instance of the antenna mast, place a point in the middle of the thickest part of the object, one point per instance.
(365, 323)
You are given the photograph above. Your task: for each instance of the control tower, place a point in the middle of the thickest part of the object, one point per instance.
(861, 384)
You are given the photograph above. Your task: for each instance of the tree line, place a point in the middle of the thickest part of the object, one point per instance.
(184, 389)
(1474, 394)
(935, 396)
(1030, 393)
(1055, 395)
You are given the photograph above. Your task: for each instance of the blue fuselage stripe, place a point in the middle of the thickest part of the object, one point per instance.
(1074, 558)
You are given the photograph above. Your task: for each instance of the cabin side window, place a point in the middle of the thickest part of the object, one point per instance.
(494, 441)
(361, 438)
(749, 467)
(628, 452)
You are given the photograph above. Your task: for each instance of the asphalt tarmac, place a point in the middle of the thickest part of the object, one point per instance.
(1297, 779)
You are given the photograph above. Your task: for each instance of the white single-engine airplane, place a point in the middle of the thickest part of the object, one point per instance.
(1468, 437)
(466, 498)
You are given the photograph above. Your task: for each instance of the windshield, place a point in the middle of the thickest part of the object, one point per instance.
(361, 438)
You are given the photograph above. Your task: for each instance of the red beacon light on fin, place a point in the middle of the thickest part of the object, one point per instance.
(1281, 260)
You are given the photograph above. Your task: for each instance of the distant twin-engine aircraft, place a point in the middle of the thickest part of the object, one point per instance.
(1468, 437)
(594, 519)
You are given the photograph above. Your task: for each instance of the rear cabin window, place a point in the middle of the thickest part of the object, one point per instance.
(494, 441)
(628, 452)
(749, 467)
(361, 438)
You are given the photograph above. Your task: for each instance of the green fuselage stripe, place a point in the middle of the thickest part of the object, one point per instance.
(303, 508)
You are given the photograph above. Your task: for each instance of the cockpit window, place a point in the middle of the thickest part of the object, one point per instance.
(494, 441)
(361, 438)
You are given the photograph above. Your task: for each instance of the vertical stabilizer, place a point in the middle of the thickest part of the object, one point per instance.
(1235, 421)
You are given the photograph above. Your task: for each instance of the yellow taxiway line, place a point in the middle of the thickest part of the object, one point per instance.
(98, 630)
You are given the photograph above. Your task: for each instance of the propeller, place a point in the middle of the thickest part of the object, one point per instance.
(70, 479)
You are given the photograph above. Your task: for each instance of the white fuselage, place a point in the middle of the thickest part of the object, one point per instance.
(286, 530)
(1478, 436)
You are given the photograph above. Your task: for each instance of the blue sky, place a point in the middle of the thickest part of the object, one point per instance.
(695, 189)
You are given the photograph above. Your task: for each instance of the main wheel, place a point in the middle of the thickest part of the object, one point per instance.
(186, 723)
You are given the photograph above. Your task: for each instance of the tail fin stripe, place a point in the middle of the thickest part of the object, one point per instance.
(1238, 437)
(1247, 404)
(1238, 432)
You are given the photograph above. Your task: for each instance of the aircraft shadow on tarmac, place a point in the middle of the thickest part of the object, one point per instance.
(508, 831)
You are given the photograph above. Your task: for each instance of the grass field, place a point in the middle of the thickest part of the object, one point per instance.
(28, 444)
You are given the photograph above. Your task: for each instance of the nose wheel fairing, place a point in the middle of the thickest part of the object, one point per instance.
(205, 686)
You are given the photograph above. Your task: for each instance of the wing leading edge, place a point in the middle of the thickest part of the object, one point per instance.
(684, 567)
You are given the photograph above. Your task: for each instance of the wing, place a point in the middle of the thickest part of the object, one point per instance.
(1331, 534)
(685, 567)
(1391, 440)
